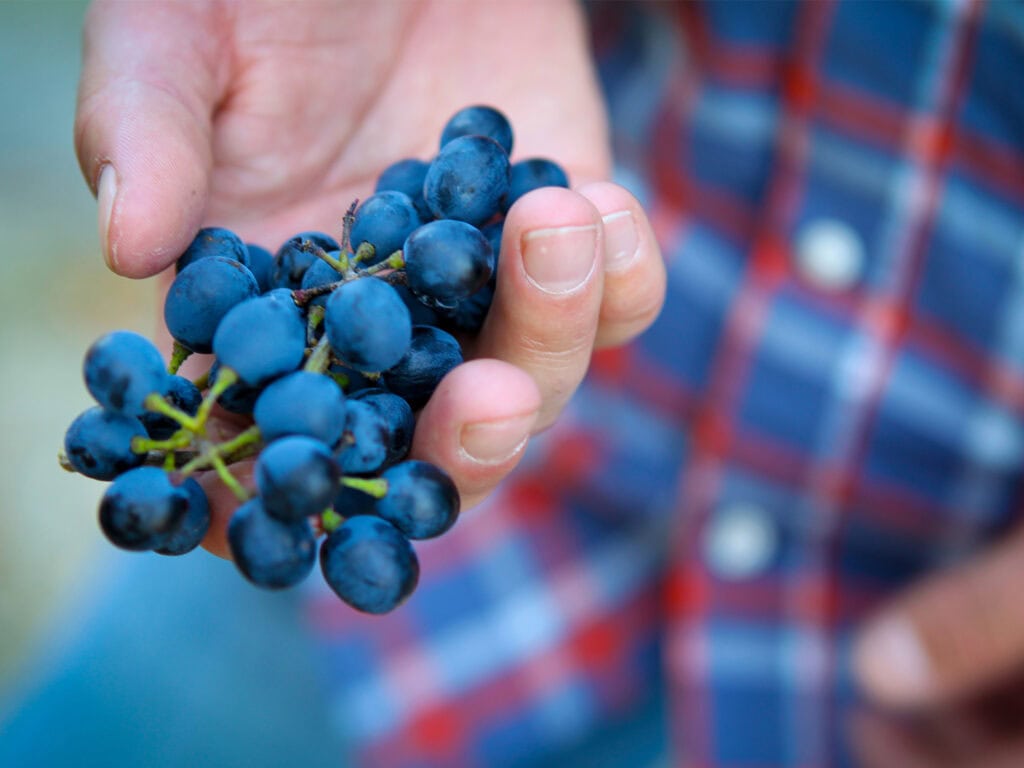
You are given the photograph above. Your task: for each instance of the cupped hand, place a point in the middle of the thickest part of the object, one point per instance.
(270, 119)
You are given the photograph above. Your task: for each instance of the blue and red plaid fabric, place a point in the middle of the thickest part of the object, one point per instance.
(862, 433)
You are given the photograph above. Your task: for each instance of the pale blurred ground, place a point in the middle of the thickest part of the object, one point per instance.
(56, 296)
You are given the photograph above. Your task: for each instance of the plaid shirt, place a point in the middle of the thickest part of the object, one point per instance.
(829, 406)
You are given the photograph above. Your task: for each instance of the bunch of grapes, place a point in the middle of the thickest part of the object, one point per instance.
(329, 348)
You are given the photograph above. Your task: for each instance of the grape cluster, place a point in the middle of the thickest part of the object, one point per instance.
(329, 347)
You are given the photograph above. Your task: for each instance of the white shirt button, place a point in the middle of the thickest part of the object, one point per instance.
(829, 254)
(740, 541)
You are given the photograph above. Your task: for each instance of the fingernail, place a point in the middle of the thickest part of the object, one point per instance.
(494, 442)
(891, 662)
(106, 191)
(620, 240)
(559, 260)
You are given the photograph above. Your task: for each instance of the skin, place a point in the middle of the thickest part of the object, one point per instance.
(271, 118)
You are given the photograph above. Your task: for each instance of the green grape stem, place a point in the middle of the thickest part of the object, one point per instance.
(179, 354)
(225, 378)
(320, 357)
(157, 404)
(372, 486)
(331, 521)
(240, 446)
(227, 478)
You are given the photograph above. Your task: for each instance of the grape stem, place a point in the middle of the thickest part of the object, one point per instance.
(320, 357)
(227, 478)
(330, 521)
(180, 439)
(179, 354)
(236, 448)
(157, 404)
(395, 261)
(225, 378)
(372, 486)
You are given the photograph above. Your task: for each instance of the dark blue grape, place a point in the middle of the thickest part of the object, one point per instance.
(469, 314)
(349, 379)
(183, 395)
(301, 403)
(364, 444)
(201, 295)
(446, 261)
(349, 502)
(384, 220)
(292, 261)
(398, 415)
(468, 180)
(320, 273)
(262, 265)
(419, 313)
(296, 477)
(479, 120)
(369, 564)
(239, 397)
(407, 176)
(142, 508)
(261, 339)
(534, 173)
(99, 443)
(367, 324)
(121, 369)
(431, 355)
(268, 552)
(193, 527)
(421, 501)
(493, 232)
(214, 241)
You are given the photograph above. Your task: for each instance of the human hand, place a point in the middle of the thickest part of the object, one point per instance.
(944, 661)
(270, 119)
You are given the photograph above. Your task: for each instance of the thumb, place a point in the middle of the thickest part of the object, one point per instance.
(146, 95)
(952, 636)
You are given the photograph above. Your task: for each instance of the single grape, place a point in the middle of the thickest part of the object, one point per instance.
(349, 502)
(261, 339)
(183, 395)
(141, 509)
(384, 220)
(214, 241)
(201, 295)
(399, 418)
(431, 355)
(479, 120)
(446, 261)
(320, 273)
(419, 313)
(407, 176)
(99, 443)
(468, 180)
(301, 403)
(268, 552)
(193, 526)
(364, 444)
(493, 232)
(369, 564)
(367, 324)
(261, 264)
(296, 477)
(534, 173)
(469, 314)
(292, 261)
(422, 501)
(121, 369)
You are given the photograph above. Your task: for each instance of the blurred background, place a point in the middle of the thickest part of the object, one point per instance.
(56, 296)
